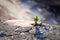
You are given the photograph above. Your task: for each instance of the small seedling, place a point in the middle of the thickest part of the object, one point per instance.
(36, 19)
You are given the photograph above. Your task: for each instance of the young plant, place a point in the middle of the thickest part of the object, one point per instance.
(36, 19)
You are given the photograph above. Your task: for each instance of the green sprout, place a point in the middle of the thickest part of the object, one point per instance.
(36, 19)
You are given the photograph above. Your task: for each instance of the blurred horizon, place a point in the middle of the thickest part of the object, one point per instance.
(26, 9)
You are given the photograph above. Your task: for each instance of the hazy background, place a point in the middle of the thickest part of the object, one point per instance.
(24, 10)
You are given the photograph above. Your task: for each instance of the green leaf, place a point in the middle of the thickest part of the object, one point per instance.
(36, 19)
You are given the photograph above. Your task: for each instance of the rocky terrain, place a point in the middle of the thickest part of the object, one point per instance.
(7, 31)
